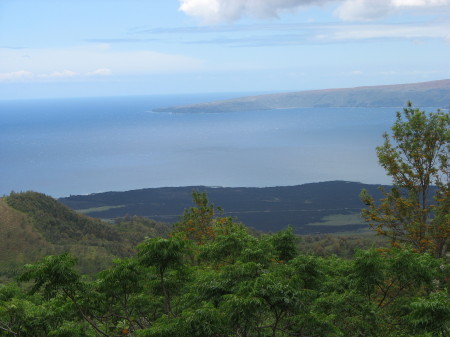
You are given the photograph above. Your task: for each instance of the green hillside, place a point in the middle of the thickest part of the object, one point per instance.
(20, 241)
(33, 225)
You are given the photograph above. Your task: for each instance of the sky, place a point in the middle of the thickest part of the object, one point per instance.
(66, 48)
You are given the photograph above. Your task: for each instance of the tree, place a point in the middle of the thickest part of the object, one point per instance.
(57, 276)
(164, 255)
(285, 244)
(118, 296)
(196, 222)
(415, 156)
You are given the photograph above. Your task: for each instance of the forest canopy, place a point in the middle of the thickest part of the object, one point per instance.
(219, 280)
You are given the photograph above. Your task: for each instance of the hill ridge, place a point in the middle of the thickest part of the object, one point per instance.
(422, 94)
(33, 225)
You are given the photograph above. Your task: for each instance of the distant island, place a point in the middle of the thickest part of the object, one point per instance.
(423, 94)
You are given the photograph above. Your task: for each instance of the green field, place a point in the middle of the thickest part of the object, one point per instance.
(339, 220)
(98, 209)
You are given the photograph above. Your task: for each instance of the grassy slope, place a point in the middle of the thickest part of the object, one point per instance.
(20, 241)
(33, 225)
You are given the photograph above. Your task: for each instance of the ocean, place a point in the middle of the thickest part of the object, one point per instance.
(64, 147)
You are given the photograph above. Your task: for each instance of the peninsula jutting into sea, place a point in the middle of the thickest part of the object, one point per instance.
(423, 94)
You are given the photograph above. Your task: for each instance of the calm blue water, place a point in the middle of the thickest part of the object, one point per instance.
(78, 146)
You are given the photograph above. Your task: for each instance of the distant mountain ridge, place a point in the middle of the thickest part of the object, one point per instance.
(422, 94)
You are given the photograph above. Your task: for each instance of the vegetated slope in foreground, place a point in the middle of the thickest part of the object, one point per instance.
(325, 207)
(20, 241)
(33, 225)
(232, 284)
(423, 94)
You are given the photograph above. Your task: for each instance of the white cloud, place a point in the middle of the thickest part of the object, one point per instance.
(16, 75)
(100, 72)
(367, 10)
(215, 11)
(78, 62)
(406, 3)
(363, 10)
(383, 31)
(59, 74)
(24, 75)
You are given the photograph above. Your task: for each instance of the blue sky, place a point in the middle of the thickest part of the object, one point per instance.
(65, 48)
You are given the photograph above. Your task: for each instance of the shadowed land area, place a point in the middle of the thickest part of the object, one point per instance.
(326, 207)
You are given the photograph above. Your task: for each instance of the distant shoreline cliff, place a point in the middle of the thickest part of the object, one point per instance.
(422, 94)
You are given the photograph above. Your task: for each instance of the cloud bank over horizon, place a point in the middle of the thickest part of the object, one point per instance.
(27, 64)
(202, 46)
(219, 11)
